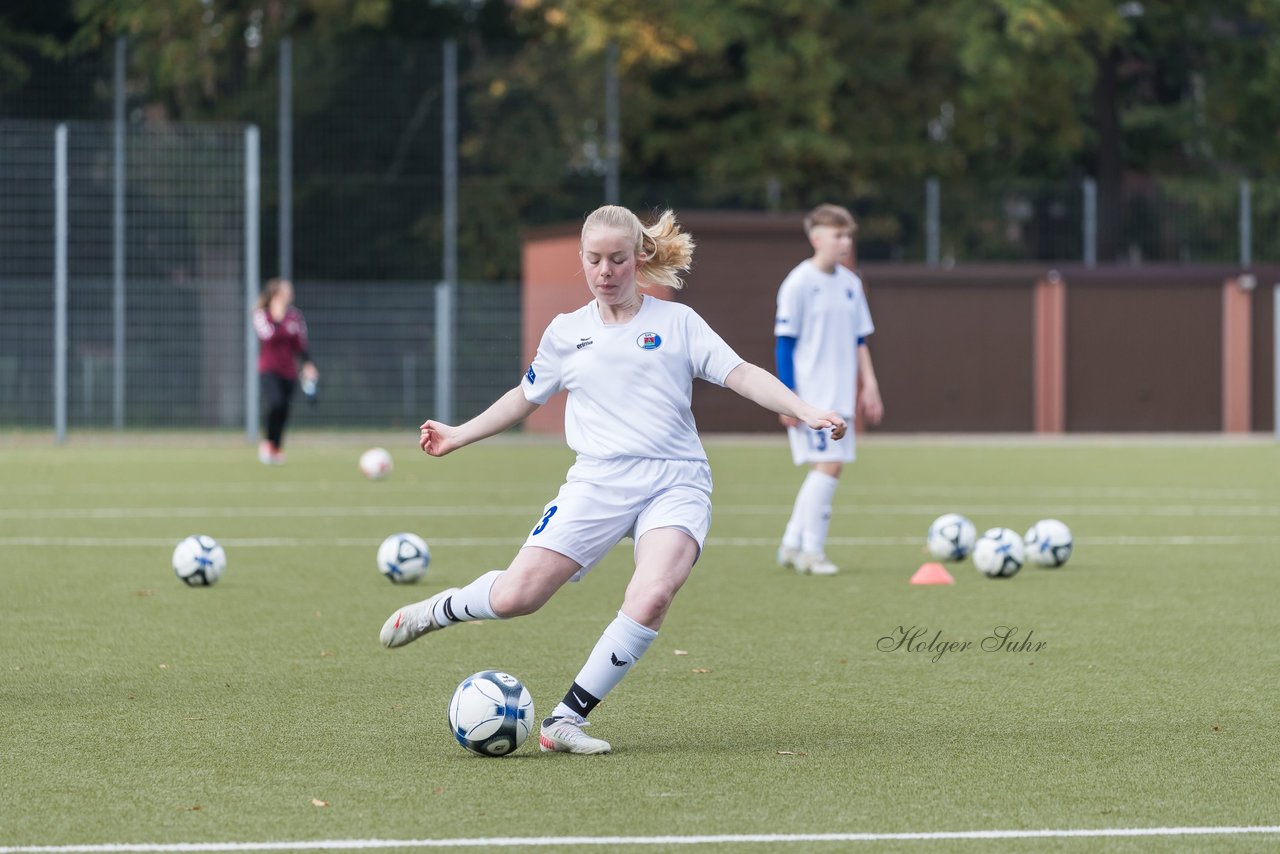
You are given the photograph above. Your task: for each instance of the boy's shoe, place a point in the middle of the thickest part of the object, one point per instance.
(788, 556)
(565, 735)
(412, 621)
(266, 453)
(808, 563)
(277, 458)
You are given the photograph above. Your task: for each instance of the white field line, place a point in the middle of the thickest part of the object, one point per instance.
(533, 511)
(614, 841)
(719, 542)
(540, 487)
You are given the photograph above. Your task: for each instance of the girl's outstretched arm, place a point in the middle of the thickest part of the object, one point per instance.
(438, 438)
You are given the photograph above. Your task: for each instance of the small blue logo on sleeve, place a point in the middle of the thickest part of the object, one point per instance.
(529, 375)
(649, 341)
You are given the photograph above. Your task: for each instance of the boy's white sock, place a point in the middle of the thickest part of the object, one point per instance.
(819, 490)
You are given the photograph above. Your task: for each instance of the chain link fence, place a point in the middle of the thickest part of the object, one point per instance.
(157, 307)
(355, 178)
(375, 345)
(154, 268)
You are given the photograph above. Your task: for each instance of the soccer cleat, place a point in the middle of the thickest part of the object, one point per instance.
(565, 735)
(808, 563)
(266, 453)
(412, 621)
(787, 557)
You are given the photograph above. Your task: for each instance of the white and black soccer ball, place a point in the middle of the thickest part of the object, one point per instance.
(403, 558)
(491, 713)
(951, 537)
(999, 553)
(375, 463)
(1048, 543)
(199, 561)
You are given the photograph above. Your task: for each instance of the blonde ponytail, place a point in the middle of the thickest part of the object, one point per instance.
(668, 251)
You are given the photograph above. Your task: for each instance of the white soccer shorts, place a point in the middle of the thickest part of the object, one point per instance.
(605, 501)
(817, 446)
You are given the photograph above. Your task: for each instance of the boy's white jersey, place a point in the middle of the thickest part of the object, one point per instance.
(826, 314)
(630, 385)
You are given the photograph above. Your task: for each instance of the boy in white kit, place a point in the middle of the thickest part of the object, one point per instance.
(628, 362)
(821, 330)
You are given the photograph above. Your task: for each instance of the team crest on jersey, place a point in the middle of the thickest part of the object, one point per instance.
(649, 341)
(529, 375)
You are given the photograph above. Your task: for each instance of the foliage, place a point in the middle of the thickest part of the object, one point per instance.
(764, 104)
(195, 54)
(14, 43)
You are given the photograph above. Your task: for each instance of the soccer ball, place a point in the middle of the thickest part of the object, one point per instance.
(998, 553)
(403, 558)
(199, 560)
(951, 537)
(1048, 543)
(375, 463)
(491, 713)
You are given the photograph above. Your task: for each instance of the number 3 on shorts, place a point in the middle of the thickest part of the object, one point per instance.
(818, 438)
(546, 517)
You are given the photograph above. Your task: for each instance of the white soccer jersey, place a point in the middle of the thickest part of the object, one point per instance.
(630, 385)
(826, 314)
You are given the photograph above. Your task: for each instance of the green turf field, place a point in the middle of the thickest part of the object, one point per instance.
(136, 710)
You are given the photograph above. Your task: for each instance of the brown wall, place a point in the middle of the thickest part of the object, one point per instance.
(552, 285)
(739, 262)
(1263, 386)
(954, 349)
(1144, 349)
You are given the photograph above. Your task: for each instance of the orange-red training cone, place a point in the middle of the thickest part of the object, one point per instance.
(932, 573)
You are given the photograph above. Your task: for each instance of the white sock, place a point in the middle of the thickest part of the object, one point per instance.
(791, 537)
(621, 645)
(820, 489)
(469, 603)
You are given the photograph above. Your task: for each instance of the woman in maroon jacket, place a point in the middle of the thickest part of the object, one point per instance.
(282, 340)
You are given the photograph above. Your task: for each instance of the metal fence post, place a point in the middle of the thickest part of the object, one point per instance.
(60, 285)
(118, 244)
(285, 212)
(611, 125)
(251, 190)
(446, 290)
(1246, 223)
(444, 353)
(932, 228)
(1090, 223)
(409, 385)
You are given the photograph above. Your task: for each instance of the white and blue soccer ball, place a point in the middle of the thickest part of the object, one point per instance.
(403, 558)
(199, 561)
(999, 553)
(375, 463)
(1048, 543)
(951, 537)
(491, 713)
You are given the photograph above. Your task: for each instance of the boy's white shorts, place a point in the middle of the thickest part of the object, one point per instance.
(604, 501)
(817, 446)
